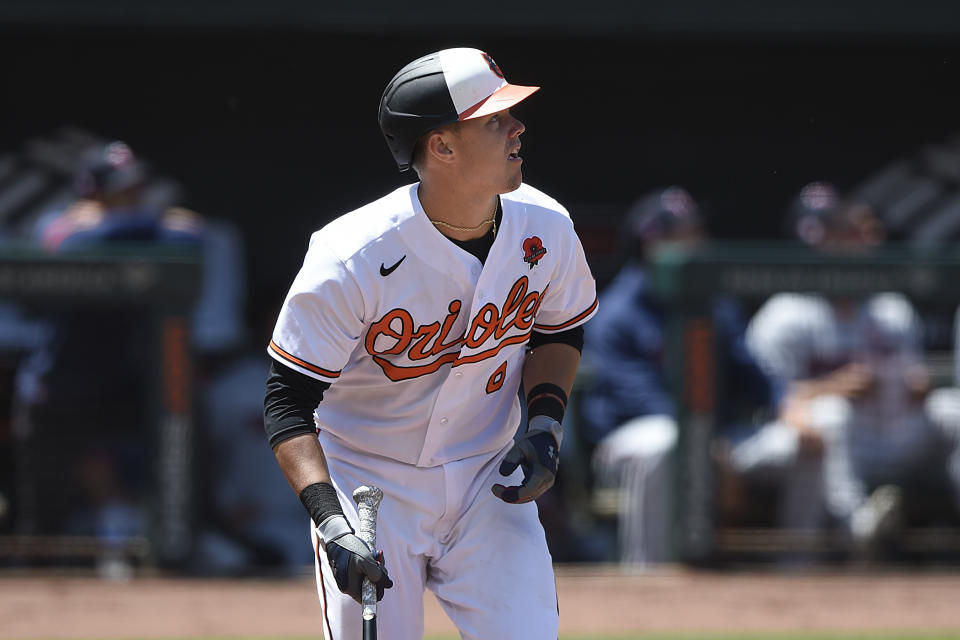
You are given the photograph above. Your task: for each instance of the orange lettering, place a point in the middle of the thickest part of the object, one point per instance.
(419, 343)
(511, 304)
(496, 380)
(454, 313)
(382, 327)
(486, 319)
(528, 310)
(418, 350)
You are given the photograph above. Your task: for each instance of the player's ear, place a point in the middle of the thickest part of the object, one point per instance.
(439, 145)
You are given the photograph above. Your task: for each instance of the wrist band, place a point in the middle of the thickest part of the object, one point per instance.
(547, 399)
(333, 528)
(321, 501)
(547, 424)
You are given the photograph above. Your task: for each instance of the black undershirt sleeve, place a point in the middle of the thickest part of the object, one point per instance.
(572, 337)
(289, 402)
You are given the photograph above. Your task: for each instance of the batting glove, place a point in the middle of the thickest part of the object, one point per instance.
(537, 452)
(351, 559)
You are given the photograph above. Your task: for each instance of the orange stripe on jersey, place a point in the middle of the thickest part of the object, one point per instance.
(489, 353)
(572, 321)
(297, 361)
(396, 373)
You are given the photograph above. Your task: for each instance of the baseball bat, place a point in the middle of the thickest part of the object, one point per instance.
(368, 501)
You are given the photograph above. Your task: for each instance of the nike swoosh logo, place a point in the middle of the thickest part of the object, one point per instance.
(385, 271)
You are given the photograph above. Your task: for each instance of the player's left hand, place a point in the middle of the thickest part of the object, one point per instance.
(351, 560)
(537, 452)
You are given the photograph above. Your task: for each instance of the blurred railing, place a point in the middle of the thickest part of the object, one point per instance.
(687, 282)
(165, 282)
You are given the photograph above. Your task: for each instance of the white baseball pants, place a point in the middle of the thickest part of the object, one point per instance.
(442, 529)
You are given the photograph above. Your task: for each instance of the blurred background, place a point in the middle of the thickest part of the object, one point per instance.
(768, 194)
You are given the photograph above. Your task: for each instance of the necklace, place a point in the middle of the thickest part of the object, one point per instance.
(476, 228)
(493, 219)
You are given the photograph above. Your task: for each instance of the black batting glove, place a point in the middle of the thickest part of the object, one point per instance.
(351, 559)
(537, 452)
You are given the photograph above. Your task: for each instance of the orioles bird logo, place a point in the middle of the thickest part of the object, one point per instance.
(533, 250)
(493, 65)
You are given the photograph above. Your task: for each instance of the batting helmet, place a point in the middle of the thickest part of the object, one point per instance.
(439, 89)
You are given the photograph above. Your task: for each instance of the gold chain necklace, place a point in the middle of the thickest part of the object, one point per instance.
(493, 219)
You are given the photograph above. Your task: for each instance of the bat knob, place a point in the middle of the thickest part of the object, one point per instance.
(368, 495)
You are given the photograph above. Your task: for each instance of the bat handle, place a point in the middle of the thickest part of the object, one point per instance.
(370, 628)
(368, 502)
(369, 596)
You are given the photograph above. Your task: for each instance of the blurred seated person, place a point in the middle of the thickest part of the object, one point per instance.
(114, 205)
(110, 207)
(82, 394)
(858, 422)
(252, 522)
(628, 411)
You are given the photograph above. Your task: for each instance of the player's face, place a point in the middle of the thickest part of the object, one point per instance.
(489, 152)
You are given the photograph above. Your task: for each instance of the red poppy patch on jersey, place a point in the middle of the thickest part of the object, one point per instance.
(533, 250)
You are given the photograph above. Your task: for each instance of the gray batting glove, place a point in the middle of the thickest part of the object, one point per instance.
(351, 559)
(537, 452)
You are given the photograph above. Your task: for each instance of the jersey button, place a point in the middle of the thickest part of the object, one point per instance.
(444, 421)
(458, 374)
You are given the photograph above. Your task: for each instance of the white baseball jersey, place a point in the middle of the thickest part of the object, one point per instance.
(796, 336)
(423, 344)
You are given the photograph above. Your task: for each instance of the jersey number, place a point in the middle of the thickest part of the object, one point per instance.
(496, 380)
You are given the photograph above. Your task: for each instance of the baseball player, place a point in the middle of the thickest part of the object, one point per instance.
(627, 411)
(397, 359)
(859, 422)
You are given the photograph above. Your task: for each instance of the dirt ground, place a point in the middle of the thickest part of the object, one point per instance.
(591, 600)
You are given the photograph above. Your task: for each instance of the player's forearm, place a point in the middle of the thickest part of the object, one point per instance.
(807, 389)
(302, 461)
(850, 381)
(553, 363)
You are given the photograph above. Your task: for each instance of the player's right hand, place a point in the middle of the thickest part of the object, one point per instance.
(352, 560)
(536, 452)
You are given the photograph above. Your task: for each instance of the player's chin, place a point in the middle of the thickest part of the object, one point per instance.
(513, 181)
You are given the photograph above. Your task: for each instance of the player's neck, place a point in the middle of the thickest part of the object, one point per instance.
(458, 215)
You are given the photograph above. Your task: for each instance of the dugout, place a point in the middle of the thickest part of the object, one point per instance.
(751, 273)
(162, 283)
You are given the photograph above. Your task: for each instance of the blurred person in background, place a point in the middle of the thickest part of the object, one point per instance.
(858, 423)
(628, 411)
(81, 396)
(251, 522)
(110, 185)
